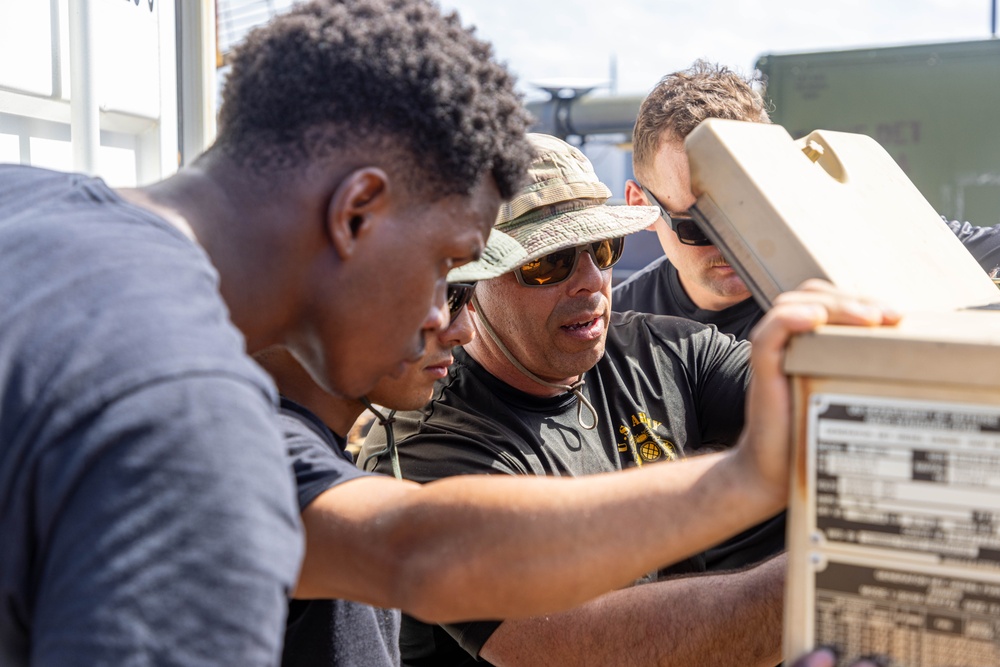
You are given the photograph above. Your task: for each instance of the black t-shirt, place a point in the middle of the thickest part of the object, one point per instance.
(330, 632)
(665, 387)
(657, 289)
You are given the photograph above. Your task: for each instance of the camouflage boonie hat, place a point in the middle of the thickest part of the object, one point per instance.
(501, 254)
(564, 203)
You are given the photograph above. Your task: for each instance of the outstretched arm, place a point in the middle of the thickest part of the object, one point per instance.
(482, 547)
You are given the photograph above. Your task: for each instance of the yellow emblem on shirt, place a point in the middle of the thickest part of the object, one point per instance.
(641, 436)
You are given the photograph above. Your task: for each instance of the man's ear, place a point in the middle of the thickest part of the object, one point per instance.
(355, 207)
(634, 196)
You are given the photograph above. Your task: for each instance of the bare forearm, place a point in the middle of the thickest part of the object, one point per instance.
(732, 619)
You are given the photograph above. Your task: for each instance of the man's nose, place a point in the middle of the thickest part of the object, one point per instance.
(438, 316)
(459, 332)
(587, 275)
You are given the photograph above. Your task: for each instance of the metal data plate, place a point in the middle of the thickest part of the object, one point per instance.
(903, 518)
(831, 205)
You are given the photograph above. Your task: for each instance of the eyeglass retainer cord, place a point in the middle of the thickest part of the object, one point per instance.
(576, 387)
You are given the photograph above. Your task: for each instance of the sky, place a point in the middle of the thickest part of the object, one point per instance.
(576, 40)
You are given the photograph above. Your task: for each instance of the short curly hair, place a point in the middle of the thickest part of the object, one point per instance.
(683, 99)
(395, 76)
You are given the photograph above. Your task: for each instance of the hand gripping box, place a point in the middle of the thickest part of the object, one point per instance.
(894, 514)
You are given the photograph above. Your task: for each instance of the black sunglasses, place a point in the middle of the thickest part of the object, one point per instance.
(459, 294)
(687, 230)
(557, 266)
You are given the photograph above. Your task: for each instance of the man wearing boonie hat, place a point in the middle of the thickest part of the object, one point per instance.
(556, 384)
(466, 531)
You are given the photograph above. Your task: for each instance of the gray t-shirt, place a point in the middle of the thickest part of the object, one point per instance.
(147, 510)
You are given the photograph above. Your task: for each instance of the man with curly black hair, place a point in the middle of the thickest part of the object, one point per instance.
(146, 506)
(375, 77)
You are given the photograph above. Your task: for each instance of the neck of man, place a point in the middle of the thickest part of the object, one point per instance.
(240, 236)
(339, 414)
(295, 383)
(488, 354)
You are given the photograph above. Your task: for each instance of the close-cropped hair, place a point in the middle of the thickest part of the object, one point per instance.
(393, 77)
(683, 99)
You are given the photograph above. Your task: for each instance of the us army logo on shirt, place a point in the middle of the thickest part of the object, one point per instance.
(642, 438)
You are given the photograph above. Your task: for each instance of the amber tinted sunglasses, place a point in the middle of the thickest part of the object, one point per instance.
(557, 266)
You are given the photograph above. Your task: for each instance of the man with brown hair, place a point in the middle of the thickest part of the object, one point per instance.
(692, 279)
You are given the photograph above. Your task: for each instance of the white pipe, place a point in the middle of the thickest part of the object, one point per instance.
(209, 54)
(164, 158)
(85, 122)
